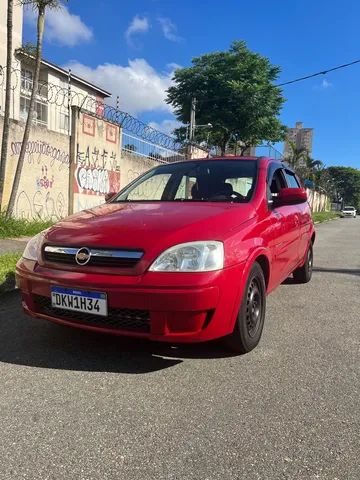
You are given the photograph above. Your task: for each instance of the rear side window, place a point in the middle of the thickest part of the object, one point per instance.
(291, 179)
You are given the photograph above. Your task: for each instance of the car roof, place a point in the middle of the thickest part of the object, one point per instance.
(264, 160)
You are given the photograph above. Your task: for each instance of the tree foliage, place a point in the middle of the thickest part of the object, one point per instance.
(347, 184)
(235, 93)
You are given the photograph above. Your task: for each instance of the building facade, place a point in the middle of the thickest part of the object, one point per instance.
(58, 89)
(301, 137)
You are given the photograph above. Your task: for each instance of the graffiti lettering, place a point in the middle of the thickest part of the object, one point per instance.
(96, 158)
(41, 148)
(42, 206)
(93, 179)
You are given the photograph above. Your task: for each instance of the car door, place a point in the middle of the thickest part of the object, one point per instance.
(286, 232)
(304, 215)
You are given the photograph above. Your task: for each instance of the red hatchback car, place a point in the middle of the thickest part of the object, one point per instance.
(185, 253)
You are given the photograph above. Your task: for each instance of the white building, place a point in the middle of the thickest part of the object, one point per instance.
(58, 88)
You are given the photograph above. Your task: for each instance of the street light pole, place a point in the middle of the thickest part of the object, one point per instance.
(192, 119)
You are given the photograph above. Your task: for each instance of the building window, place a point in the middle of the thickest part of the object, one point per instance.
(40, 111)
(64, 121)
(27, 78)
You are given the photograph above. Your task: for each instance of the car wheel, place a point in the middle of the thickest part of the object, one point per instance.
(250, 320)
(303, 274)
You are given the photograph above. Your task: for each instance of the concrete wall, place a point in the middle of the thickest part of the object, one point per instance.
(95, 160)
(319, 202)
(132, 166)
(44, 184)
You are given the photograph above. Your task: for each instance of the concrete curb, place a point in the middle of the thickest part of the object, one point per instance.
(326, 221)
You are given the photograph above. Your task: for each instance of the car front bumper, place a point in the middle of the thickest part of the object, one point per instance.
(174, 307)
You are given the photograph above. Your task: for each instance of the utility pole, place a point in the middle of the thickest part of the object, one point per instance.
(192, 119)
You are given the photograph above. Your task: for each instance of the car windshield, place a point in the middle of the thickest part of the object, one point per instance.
(349, 209)
(195, 181)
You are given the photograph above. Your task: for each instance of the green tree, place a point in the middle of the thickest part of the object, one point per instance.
(347, 184)
(297, 156)
(41, 6)
(234, 92)
(6, 127)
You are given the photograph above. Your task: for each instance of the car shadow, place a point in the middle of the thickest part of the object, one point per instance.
(38, 343)
(345, 271)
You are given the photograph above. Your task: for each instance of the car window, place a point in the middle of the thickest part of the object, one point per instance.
(184, 190)
(197, 180)
(291, 179)
(152, 188)
(275, 184)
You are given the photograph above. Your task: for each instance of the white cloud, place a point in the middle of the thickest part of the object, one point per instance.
(137, 25)
(167, 126)
(61, 27)
(169, 29)
(139, 86)
(326, 84)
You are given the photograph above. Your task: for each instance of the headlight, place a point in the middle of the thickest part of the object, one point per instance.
(203, 256)
(32, 249)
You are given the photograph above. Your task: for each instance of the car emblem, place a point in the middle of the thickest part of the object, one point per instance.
(82, 256)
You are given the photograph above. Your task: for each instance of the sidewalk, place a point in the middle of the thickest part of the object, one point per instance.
(8, 245)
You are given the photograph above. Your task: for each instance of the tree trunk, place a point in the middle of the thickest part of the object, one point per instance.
(15, 187)
(223, 144)
(6, 127)
(243, 148)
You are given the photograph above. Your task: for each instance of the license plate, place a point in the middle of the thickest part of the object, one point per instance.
(79, 301)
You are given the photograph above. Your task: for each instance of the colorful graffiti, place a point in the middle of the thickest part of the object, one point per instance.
(96, 181)
(44, 181)
(97, 161)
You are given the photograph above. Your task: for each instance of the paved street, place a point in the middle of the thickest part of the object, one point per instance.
(74, 405)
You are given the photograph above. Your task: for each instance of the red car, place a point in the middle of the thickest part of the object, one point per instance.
(185, 253)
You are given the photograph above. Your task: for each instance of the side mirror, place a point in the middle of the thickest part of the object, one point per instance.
(290, 196)
(109, 196)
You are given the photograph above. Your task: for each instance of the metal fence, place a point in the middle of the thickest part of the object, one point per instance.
(137, 146)
(53, 110)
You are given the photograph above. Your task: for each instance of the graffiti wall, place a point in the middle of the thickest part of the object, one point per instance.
(44, 183)
(133, 166)
(96, 169)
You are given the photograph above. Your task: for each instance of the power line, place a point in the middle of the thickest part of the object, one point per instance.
(300, 79)
(323, 72)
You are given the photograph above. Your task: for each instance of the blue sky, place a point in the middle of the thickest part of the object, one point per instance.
(131, 47)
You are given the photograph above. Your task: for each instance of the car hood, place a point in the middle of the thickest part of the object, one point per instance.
(145, 225)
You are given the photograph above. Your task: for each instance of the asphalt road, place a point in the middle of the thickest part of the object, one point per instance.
(78, 406)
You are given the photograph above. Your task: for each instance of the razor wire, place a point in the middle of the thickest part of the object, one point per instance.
(63, 96)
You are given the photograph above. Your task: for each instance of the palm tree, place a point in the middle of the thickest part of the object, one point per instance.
(40, 6)
(6, 127)
(313, 166)
(297, 156)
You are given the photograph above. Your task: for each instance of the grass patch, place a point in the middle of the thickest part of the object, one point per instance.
(7, 270)
(17, 227)
(324, 216)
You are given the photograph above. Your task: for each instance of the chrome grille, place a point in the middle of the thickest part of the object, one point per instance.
(98, 257)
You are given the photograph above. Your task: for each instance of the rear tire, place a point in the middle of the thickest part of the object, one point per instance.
(250, 320)
(303, 274)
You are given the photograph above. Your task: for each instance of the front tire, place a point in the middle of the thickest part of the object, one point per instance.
(250, 320)
(303, 274)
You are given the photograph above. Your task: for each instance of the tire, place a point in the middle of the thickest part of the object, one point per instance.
(303, 274)
(250, 320)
